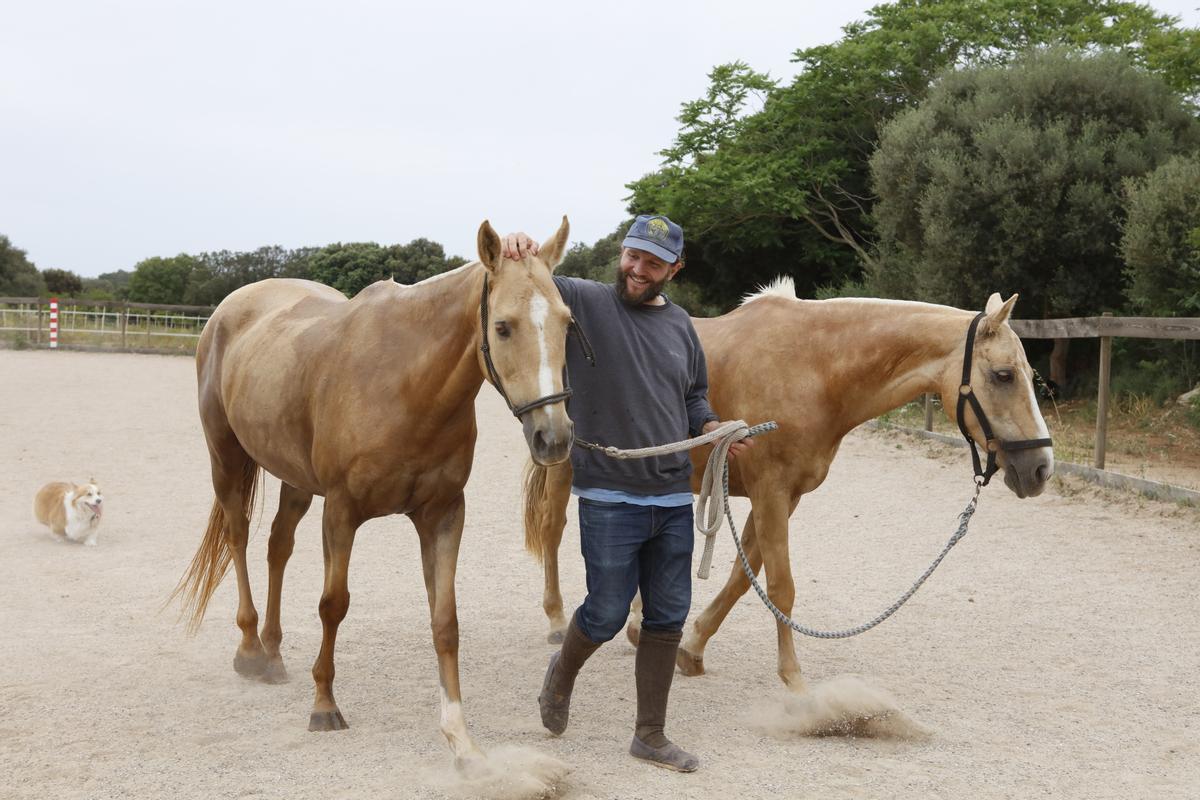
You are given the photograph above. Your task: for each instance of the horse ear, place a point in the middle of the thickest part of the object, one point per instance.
(556, 246)
(997, 313)
(488, 242)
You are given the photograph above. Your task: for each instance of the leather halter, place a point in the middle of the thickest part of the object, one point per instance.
(549, 399)
(967, 395)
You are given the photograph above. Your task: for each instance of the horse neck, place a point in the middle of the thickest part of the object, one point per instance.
(446, 318)
(893, 352)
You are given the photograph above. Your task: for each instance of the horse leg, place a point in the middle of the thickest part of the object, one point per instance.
(781, 586)
(557, 495)
(690, 658)
(293, 504)
(234, 477)
(633, 629)
(338, 525)
(552, 602)
(440, 529)
(765, 540)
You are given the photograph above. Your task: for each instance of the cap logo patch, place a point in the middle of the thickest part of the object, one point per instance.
(657, 229)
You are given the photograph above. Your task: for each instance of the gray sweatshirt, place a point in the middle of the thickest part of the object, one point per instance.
(649, 387)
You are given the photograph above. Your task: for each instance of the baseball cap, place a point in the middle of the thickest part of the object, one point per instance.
(656, 234)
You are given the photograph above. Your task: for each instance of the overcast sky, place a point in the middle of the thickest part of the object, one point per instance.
(138, 128)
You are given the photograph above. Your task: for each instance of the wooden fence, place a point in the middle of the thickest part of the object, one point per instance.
(1105, 328)
(105, 324)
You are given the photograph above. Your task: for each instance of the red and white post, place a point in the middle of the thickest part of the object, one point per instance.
(53, 323)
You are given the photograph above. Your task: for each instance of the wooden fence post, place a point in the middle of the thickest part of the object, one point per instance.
(1102, 398)
(39, 316)
(928, 411)
(124, 324)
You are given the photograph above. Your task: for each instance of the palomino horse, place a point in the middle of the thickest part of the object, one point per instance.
(820, 368)
(370, 403)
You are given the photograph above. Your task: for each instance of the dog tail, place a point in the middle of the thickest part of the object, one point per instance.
(211, 561)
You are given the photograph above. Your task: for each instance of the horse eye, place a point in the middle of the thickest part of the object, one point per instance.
(502, 330)
(1004, 376)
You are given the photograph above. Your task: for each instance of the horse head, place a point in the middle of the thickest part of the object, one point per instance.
(1002, 382)
(524, 345)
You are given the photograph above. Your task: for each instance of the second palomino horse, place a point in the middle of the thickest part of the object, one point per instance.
(819, 369)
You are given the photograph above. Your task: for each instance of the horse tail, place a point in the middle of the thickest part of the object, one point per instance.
(536, 522)
(211, 561)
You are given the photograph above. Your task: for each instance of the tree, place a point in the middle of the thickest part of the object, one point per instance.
(217, 274)
(161, 280)
(350, 268)
(18, 275)
(787, 189)
(597, 262)
(418, 260)
(1009, 179)
(1161, 241)
(62, 282)
(108, 285)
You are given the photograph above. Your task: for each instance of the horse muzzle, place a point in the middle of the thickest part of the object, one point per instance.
(549, 436)
(1026, 472)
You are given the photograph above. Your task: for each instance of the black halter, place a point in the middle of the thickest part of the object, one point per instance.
(967, 395)
(518, 411)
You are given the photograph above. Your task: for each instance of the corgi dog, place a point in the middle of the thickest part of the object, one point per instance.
(70, 511)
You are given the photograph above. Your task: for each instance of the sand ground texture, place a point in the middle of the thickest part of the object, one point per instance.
(1055, 653)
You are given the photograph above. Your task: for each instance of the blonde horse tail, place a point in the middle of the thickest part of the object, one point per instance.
(211, 561)
(536, 523)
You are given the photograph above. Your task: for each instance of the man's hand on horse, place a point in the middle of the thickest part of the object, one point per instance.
(518, 245)
(735, 449)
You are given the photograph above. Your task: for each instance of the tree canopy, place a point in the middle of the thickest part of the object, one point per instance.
(786, 189)
(352, 267)
(1009, 179)
(162, 280)
(18, 275)
(1161, 242)
(63, 283)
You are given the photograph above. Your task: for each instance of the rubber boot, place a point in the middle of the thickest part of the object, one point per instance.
(654, 670)
(554, 701)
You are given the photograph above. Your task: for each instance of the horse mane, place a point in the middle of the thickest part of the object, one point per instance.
(782, 286)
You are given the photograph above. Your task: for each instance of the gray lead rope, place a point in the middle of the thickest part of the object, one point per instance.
(963, 520)
(727, 434)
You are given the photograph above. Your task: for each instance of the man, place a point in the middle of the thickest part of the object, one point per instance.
(648, 387)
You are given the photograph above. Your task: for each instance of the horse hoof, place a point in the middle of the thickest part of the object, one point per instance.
(275, 673)
(327, 721)
(557, 637)
(633, 633)
(689, 664)
(249, 666)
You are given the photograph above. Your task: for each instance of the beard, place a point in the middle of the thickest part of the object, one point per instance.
(633, 300)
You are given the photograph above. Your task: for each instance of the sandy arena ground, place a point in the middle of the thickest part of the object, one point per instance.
(1055, 653)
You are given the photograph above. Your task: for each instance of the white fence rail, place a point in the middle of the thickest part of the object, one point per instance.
(104, 324)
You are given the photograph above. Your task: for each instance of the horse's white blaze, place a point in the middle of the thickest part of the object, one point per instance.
(1042, 431)
(539, 309)
(454, 726)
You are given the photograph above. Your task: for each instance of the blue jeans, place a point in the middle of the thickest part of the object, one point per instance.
(626, 548)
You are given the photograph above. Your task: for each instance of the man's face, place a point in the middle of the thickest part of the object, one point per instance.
(642, 276)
